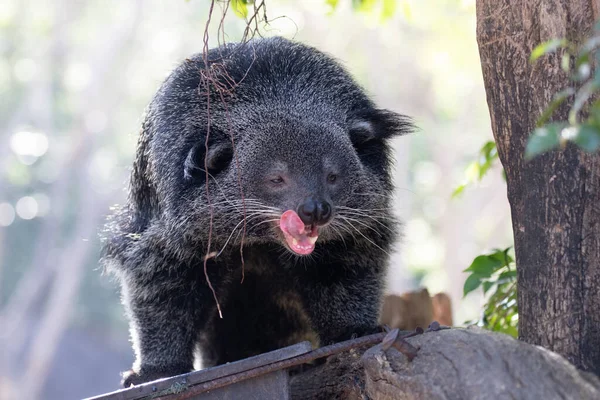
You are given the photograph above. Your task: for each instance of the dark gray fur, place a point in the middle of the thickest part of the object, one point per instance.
(293, 112)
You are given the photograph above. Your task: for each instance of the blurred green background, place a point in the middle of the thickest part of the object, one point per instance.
(75, 77)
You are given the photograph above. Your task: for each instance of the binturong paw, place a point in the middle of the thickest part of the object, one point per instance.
(131, 378)
(148, 374)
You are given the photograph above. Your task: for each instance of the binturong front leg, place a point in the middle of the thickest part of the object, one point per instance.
(343, 302)
(167, 307)
(163, 332)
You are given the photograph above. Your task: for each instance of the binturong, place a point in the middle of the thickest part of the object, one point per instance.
(274, 191)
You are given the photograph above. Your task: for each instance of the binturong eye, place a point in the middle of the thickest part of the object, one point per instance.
(277, 181)
(331, 178)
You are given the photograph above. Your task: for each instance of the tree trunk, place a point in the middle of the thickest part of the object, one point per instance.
(555, 198)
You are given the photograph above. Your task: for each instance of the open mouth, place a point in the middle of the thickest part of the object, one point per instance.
(299, 237)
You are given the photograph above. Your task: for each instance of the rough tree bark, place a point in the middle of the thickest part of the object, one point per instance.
(554, 199)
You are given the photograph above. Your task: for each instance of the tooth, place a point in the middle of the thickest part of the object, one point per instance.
(294, 242)
(313, 240)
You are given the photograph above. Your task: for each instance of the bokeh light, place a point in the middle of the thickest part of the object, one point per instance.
(7, 214)
(77, 76)
(28, 143)
(27, 207)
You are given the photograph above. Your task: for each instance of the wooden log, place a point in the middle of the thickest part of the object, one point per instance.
(451, 364)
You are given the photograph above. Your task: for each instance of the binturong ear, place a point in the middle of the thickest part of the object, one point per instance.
(378, 124)
(198, 160)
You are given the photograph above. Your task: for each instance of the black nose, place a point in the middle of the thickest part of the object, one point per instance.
(314, 211)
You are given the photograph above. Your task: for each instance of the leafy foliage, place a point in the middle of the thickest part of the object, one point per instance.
(387, 8)
(488, 156)
(578, 63)
(496, 274)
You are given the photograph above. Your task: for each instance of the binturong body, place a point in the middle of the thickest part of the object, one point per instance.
(281, 182)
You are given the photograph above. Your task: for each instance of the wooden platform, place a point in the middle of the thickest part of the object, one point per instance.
(273, 385)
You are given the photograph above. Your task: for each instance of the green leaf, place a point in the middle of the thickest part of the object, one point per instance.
(240, 8)
(507, 276)
(485, 167)
(558, 99)
(477, 169)
(543, 139)
(364, 5)
(512, 331)
(389, 9)
(484, 266)
(547, 47)
(584, 58)
(489, 154)
(472, 283)
(332, 3)
(502, 256)
(489, 148)
(588, 138)
(472, 171)
(487, 285)
(458, 191)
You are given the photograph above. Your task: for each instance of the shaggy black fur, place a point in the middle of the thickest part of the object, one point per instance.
(296, 118)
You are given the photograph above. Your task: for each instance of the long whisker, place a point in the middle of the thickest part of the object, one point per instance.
(367, 239)
(260, 223)
(364, 215)
(343, 226)
(255, 213)
(248, 217)
(372, 216)
(360, 223)
(378, 211)
(263, 222)
(339, 234)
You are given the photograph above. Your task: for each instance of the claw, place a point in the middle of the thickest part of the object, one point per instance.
(435, 326)
(393, 339)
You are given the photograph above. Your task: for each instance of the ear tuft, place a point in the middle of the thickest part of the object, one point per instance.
(379, 124)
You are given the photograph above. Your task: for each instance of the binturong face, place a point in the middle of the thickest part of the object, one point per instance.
(303, 184)
(305, 172)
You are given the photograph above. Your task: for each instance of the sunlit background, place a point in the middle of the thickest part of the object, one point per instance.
(75, 77)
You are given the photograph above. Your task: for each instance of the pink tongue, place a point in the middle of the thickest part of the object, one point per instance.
(298, 238)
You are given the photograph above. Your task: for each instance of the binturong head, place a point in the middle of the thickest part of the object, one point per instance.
(296, 155)
(306, 180)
